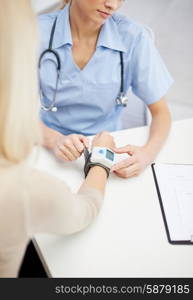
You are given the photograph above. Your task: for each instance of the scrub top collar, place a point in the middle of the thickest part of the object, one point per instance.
(109, 36)
(62, 34)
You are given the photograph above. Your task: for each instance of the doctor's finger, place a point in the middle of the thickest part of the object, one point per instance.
(80, 142)
(68, 153)
(125, 149)
(70, 146)
(128, 172)
(124, 163)
(84, 140)
(61, 155)
(125, 175)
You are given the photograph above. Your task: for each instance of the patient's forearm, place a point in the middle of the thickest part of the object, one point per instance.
(96, 178)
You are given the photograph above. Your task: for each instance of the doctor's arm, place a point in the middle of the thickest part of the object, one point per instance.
(141, 157)
(65, 147)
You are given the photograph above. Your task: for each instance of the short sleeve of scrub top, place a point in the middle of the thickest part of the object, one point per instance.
(86, 98)
(150, 78)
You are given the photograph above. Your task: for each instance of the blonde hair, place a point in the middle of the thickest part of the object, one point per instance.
(19, 130)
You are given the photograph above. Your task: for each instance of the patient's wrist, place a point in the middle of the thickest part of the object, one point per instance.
(98, 170)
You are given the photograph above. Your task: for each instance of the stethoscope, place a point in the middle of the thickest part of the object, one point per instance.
(121, 100)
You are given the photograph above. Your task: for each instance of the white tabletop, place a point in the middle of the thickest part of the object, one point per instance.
(128, 238)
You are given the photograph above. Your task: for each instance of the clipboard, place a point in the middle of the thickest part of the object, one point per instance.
(174, 185)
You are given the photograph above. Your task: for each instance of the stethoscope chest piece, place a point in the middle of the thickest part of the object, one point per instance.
(122, 100)
(54, 109)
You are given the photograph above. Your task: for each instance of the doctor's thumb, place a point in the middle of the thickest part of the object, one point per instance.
(85, 141)
(125, 149)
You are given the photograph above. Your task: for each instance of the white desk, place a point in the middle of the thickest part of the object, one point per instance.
(128, 238)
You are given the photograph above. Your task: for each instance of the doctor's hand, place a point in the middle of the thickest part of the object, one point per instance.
(139, 158)
(70, 147)
(103, 139)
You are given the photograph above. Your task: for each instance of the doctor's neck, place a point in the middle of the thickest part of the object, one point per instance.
(82, 26)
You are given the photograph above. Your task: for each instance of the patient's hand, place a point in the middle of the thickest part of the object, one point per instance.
(103, 139)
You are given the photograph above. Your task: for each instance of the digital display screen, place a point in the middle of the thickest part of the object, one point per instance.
(110, 155)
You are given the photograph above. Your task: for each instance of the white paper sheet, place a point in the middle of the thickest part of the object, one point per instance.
(176, 188)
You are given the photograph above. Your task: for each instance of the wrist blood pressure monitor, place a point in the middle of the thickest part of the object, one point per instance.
(103, 156)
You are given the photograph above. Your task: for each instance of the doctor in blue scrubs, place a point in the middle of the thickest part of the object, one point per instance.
(90, 57)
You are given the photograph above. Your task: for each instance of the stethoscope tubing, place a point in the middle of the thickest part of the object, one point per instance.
(122, 98)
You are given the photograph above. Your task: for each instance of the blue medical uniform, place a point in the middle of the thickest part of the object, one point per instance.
(86, 98)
